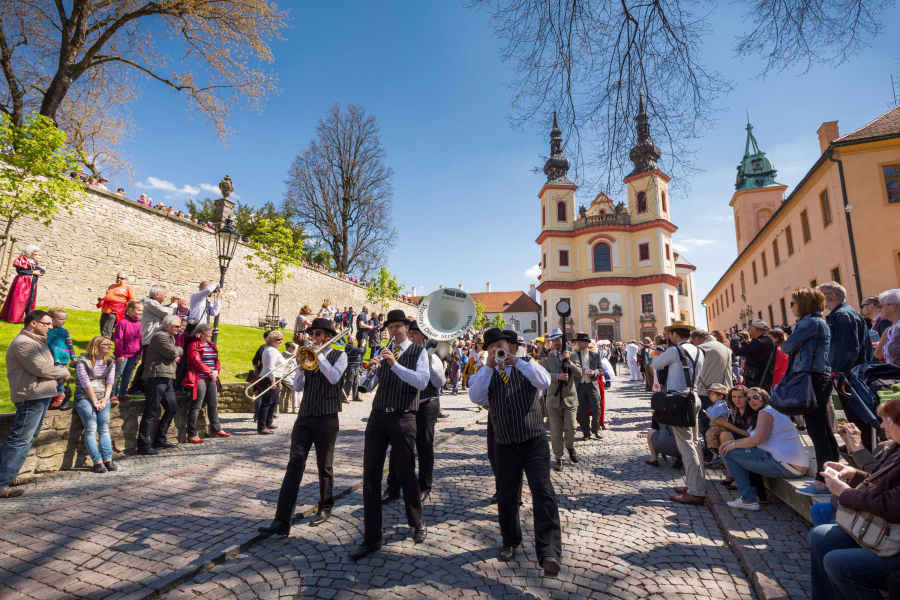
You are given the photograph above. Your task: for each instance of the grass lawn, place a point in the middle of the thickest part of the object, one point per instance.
(237, 345)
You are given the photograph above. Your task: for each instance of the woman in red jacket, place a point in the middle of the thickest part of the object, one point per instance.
(841, 568)
(202, 378)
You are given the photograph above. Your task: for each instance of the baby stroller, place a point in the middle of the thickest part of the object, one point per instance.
(860, 390)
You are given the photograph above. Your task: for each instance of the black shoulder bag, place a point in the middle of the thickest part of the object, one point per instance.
(677, 409)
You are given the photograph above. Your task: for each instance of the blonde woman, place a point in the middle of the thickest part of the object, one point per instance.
(301, 324)
(95, 373)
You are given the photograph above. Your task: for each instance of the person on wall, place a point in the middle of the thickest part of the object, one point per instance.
(23, 293)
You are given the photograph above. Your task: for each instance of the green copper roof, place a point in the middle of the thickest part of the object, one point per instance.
(755, 171)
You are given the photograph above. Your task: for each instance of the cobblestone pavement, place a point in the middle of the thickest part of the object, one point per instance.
(134, 532)
(622, 537)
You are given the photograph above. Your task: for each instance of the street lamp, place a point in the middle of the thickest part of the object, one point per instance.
(563, 309)
(226, 239)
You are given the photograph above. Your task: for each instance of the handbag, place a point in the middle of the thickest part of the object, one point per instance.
(870, 531)
(795, 395)
(677, 409)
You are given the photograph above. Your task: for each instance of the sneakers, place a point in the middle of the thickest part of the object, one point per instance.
(812, 491)
(715, 462)
(739, 503)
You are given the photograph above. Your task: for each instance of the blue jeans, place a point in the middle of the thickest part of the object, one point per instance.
(93, 422)
(842, 569)
(25, 429)
(743, 461)
(456, 385)
(124, 371)
(821, 513)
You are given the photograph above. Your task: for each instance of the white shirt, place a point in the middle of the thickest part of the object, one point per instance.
(418, 378)
(331, 372)
(197, 306)
(631, 352)
(437, 377)
(533, 372)
(675, 381)
(585, 365)
(273, 362)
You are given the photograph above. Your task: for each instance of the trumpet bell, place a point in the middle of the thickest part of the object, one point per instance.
(307, 358)
(500, 355)
(445, 314)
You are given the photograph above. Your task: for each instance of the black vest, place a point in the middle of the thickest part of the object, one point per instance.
(320, 397)
(515, 409)
(394, 393)
(431, 390)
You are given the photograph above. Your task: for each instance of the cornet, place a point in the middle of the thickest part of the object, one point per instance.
(500, 356)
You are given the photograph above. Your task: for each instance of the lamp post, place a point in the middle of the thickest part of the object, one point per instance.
(563, 309)
(226, 240)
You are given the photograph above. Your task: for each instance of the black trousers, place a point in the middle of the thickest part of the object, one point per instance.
(818, 426)
(532, 458)
(267, 405)
(490, 442)
(588, 397)
(308, 431)
(159, 392)
(426, 418)
(137, 381)
(614, 363)
(107, 324)
(397, 430)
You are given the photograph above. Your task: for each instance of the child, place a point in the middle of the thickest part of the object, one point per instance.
(60, 343)
(454, 374)
(717, 393)
(127, 340)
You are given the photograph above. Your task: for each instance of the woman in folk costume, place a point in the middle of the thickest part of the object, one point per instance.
(23, 292)
(476, 359)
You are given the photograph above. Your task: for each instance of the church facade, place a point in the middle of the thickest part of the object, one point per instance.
(614, 263)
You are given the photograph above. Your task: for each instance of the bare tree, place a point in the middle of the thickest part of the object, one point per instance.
(587, 59)
(339, 190)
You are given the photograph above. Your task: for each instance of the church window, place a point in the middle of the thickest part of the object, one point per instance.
(771, 317)
(789, 239)
(646, 303)
(643, 251)
(743, 285)
(543, 215)
(668, 253)
(665, 207)
(727, 304)
(892, 182)
(826, 209)
(804, 225)
(776, 256)
(564, 258)
(534, 324)
(671, 303)
(681, 291)
(732, 292)
(765, 264)
(642, 202)
(836, 274)
(602, 258)
(755, 278)
(783, 311)
(544, 262)
(561, 211)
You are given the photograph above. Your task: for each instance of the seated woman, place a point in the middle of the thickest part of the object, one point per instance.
(95, 373)
(773, 449)
(841, 568)
(661, 440)
(741, 418)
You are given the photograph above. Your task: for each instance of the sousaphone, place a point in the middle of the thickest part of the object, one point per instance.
(443, 316)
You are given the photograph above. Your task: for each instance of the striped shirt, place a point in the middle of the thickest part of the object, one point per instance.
(515, 410)
(399, 386)
(208, 357)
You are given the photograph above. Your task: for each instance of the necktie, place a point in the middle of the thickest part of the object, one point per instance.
(396, 352)
(503, 375)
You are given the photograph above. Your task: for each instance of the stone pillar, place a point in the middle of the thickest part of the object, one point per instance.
(224, 210)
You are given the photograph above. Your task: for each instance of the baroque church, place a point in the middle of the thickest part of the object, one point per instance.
(614, 263)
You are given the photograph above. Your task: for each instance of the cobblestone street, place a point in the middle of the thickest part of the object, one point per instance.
(72, 535)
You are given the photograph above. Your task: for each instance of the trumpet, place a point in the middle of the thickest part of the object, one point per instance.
(500, 356)
(307, 359)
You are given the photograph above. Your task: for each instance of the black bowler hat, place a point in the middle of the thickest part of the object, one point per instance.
(582, 337)
(493, 335)
(324, 325)
(413, 326)
(512, 336)
(394, 316)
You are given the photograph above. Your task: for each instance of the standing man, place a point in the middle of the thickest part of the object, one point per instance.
(587, 388)
(112, 305)
(871, 311)
(32, 385)
(511, 390)
(200, 308)
(717, 360)
(151, 318)
(159, 375)
(426, 418)
(683, 356)
(317, 424)
(363, 329)
(646, 361)
(402, 375)
(351, 379)
(562, 399)
(631, 352)
(759, 368)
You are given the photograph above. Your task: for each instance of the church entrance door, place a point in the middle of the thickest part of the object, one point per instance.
(606, 332)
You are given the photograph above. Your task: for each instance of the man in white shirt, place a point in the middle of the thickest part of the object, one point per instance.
(685, 437)
(201, 309)
(631, 352)
(274, 367)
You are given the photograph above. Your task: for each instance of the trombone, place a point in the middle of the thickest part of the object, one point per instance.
(307, 359)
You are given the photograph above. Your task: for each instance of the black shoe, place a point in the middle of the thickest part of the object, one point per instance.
(321, 516)
(559, 465)
(550, 566)
(276, 529)
(572, 456)
(99, 468)
(507, 553)
(425, 497)
(111, 466)
(598, 434)
(443, 415)
(494, 499)
(65, 406)
(421, 532)
(165, 445)
(587, 436)
(679, 464)
(364, 551)
(148, 451)
(389, 496)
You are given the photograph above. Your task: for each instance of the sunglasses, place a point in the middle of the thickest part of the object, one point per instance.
(118, 278)
(755, 397)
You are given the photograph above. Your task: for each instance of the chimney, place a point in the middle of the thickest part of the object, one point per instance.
(532, 292)
(414, 291)
(460, 286)
(828, 132)
(487, 287)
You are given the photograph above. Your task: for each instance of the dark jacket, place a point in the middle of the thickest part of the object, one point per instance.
(161, 356)
(354, 357)
(850, 342)
(759, 370)
(882, 499)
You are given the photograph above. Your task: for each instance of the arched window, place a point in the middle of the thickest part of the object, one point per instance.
(561, 211)
(534, 324)
(602, 257)
(762, 217)
(642, 202)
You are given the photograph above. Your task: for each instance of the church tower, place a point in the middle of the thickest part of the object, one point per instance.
(648, 187)
(757, 193)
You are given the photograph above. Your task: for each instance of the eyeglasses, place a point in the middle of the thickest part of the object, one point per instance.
(45, 323)
(888, 421)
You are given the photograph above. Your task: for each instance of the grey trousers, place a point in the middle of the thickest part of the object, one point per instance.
(562, 428)
(688, 442)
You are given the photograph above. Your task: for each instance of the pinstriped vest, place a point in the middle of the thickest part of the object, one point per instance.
(394, 393)
(515, 409)
(320, 397)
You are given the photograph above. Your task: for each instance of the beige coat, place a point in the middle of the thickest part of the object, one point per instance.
(30, 369)
(569, 395)
(716, 367)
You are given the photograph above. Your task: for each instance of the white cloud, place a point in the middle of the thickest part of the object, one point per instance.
(724, 218)
(697, 242)
(533, 272)
(154, 183)
(679, 248)
(212, 189)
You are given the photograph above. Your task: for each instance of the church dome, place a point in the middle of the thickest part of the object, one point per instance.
(756, 170)
(557, 166)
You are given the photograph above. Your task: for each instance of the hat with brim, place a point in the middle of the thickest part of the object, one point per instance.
(718, 388)
(760, 324)
(582, 337)
(324, 325)
(679, 325)
(493, 335)
(555, 334)
(396, 316)
(511, 335)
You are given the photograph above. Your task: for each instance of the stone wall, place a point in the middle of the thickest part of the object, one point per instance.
(59, 445)
(82, 253)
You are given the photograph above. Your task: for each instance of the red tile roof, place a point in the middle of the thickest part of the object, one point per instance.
(886, 124)
(498, 302)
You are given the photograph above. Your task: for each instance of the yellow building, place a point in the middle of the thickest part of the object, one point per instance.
(840, 223)
(614, 263)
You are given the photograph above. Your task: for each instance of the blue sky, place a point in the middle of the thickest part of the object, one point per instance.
(465, 201)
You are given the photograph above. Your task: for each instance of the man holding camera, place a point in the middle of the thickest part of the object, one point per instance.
(201, 309)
